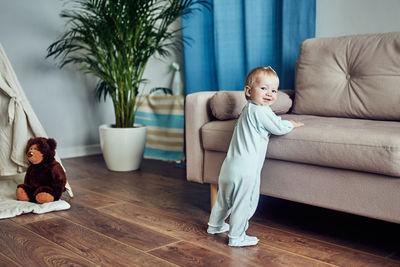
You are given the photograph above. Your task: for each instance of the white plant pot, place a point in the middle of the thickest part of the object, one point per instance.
(122, 147)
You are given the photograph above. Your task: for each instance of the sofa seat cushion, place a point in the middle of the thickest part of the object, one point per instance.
(355, 144)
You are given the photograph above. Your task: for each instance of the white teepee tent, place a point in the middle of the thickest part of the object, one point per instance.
(18, 122)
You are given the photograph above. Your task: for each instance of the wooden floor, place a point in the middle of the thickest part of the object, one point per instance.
(154, 217)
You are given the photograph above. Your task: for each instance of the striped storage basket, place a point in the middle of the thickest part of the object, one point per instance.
(164, 117)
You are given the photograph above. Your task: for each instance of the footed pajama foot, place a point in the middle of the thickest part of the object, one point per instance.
(243, 241)
(44, 198)
(212, 230)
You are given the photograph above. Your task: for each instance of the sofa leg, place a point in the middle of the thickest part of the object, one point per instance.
(213, 194)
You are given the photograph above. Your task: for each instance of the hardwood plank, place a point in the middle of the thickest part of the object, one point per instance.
(316, 249)
(157, 175)
(32, 217)
(28, 249)
(7, 262)
(92, 245)
(196, 233)
(83, 167)
(336, 227)
(85, 197)
(130, 234)
(164, 168)
(179, 197)
(158, 220)
(265, 255)
(187, 254)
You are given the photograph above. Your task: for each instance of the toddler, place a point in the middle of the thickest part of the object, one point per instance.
(239, 179)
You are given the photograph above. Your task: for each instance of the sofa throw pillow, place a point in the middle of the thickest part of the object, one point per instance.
(227, 105)
(351, 76)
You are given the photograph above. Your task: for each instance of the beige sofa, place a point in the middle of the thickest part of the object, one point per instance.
(347, 156)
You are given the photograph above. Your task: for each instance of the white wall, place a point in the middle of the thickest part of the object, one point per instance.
(344, 17)
(64, 100)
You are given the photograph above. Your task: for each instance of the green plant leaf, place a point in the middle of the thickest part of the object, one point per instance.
(113, 41)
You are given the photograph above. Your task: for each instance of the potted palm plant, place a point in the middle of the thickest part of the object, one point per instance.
(113, 40)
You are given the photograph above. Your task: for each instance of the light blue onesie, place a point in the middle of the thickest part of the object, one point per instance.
(239, 178)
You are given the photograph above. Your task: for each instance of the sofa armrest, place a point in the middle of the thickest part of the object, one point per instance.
(197, 113)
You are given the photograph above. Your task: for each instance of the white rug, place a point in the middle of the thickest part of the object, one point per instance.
(11, 207)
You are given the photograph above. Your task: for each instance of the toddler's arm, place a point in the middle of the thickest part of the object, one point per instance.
(273, 123)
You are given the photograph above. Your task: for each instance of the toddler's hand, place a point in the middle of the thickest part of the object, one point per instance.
(296, 123)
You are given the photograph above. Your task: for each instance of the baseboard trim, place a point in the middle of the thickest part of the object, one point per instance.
(78, 151)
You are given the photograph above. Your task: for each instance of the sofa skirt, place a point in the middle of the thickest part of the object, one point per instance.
(366, 194)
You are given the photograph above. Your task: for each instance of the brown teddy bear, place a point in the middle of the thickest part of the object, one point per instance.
(45, 178)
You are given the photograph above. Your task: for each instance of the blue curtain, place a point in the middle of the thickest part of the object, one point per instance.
(235, 36)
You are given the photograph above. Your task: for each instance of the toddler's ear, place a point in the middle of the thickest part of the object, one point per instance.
(52, 143)
(247, 90)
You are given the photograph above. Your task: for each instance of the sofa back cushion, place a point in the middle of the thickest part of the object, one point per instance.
(351, 76)
(227, 105)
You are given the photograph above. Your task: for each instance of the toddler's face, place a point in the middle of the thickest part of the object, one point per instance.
(264, 91)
